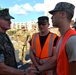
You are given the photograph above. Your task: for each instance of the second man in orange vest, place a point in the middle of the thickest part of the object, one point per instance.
(42, 45)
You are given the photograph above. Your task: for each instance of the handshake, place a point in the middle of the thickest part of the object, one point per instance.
(34, 71)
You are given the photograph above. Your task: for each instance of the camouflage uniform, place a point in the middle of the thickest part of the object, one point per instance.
(7, 51)
(21, 38)
(31, 32)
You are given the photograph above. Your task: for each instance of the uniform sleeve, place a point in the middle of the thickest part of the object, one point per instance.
(1, 49)
(1, 57)
(1, 54)
(71, 48)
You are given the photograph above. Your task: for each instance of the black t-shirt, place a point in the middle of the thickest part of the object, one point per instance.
(43, 39)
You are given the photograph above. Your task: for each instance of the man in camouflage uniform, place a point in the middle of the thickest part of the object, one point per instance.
(32, 31)
(8, 64)
(21, 38)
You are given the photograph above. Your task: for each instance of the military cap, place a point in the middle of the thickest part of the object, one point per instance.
(63, 6)
(74, 26)
(43, 19)
(22, 26)
(33, 25)
(4, 14)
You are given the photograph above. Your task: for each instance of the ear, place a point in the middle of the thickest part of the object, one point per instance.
(63, 15)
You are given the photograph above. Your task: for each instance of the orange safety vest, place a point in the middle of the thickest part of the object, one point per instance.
(42, 55)
(62, 60)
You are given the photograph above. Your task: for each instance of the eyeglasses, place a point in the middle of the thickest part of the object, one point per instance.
(42, 23)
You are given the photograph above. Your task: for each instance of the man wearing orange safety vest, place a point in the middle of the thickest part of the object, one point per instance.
(64, 59)
(42, 45)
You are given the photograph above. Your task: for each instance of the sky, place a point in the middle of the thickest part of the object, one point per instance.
(28, 10)
(24, 10)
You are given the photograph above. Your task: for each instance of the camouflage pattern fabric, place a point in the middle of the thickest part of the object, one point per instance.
(31, 32)
(4, 14)
(63, 6)
(7, 50)
(21, 37)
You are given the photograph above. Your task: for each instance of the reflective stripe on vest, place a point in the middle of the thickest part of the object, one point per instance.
(44, 59)
(36, 47)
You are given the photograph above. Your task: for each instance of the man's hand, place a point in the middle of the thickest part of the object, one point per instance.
(32, 70)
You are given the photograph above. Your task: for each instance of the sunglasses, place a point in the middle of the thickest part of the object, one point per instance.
(42, 23)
